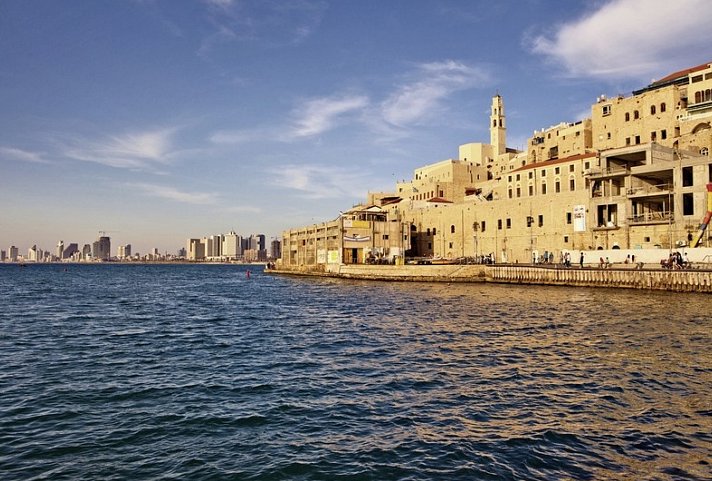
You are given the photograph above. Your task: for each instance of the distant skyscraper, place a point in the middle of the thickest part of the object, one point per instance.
(70, 250)
(13, 253)
(101, 249)
(86, 251)
(60, 250)
(3, 256)
(276, 249)
(124, 252)
(232, 245)
(195, 249)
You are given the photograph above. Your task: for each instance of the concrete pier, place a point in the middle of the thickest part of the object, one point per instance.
(693, 280)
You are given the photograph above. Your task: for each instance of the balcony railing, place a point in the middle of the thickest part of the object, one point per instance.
(649, 189)
(652, 218)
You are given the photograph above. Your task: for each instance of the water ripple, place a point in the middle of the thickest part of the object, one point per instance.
(197, 372)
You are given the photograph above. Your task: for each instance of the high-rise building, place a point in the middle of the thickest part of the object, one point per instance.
(195, 249)
(69, 251)
(2, 256)
(13, 253)
(232, 245)
(276, 249)
(124, 251)
(60, 250)
(101, 249)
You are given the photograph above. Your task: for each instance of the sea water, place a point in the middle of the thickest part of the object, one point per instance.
(199, 372)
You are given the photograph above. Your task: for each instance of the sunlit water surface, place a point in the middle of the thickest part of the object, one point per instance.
(199, 372)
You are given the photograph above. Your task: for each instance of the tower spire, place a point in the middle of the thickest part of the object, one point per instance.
(498, 129)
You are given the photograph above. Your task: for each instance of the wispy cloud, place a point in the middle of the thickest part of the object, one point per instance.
(171, 193)
(137, 151)
(316, 116)
(630, 38)
(270, 22)
(321, 182)
(417, 98)
(245, 136)
(12, 153)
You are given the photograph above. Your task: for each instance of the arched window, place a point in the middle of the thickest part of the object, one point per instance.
(698, 97)
(652, 110)
(494, 123)
(708, 95)
(636, 115)
(428, 231)
(662, 107)
(452, 229)
(627, 116)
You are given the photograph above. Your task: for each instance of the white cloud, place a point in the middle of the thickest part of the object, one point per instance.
(320, 115)
(632, 38)
(137, 151)
(245, 136)
(433, 82)
(171, 193)
(22, 155)
(321, 182)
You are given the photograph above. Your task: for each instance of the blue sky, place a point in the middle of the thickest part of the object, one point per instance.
(159, 120)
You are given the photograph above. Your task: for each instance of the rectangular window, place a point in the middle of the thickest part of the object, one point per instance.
(518, 177)
(557, 187)
(510, 193)
(687, 176)
(484, 225)
(531, 190)
(568, 217)
(572, 185)
(697, 78)
(709, 173)
(543, 185)
(541, 220)
(663, 134)
(531, 174)
(385, 236)
(653, 136)
(627, 141)
(566, 239)
(530, 221)
(557, 171)
(637, 139)
(587, 165)
(509, 223)
(688, 205)
(606, 110)
(571, 168)
(509, 178)
(450, 245)
(519, 191)
(543, 173)
(499, 224)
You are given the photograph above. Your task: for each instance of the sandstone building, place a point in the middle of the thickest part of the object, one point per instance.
(632, 176)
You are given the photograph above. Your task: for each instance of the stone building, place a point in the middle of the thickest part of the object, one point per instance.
(632, 176)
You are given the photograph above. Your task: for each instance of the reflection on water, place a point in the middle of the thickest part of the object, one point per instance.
(198, 372)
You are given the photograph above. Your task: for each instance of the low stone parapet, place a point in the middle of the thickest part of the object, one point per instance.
(656, 279)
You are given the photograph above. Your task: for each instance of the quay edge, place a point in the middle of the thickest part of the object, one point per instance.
(692, 280)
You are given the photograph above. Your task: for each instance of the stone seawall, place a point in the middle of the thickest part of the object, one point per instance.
(653, 279)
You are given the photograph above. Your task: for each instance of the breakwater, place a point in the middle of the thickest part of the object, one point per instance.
(693, 280)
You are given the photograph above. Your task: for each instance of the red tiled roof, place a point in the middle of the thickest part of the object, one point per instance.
(681, 73)
(545, 163)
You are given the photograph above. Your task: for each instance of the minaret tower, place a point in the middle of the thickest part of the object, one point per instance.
(498, 130)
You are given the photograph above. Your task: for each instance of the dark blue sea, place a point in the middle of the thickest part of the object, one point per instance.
(197, 372)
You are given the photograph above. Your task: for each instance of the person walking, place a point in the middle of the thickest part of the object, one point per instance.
(581, 260)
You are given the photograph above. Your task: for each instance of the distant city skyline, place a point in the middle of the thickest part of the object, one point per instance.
(158, 121)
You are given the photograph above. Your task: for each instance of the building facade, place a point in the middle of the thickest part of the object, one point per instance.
(632, 176)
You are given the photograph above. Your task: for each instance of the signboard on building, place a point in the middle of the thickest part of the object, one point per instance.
(357, 224)
(333, 257)
(579, 218)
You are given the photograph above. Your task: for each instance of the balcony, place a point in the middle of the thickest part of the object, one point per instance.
(652, 218)
(649, 190)
(608, 172)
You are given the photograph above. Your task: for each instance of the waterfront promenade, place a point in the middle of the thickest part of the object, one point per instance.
(621, 276)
